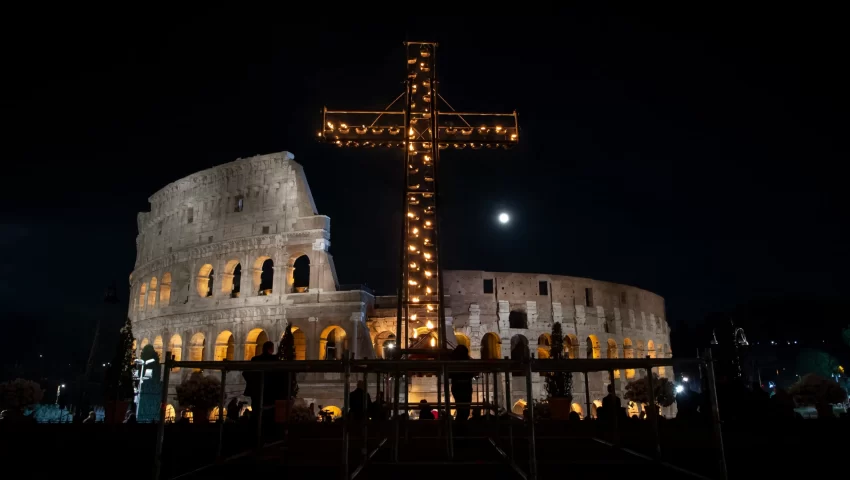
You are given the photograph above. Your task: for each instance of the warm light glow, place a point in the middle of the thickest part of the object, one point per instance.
(427, 255)
(413, 317)
(415, 231)
(413, 248)
(504, 218)
(427, 289)
(414, 300)
(498, 129)
(342, 125)
(410, 214)
(513, 136)
(415, 334)
(412, 264)
(429, 325)
(330, 125)
(411, 282)
(433, 342)
(412, 132)
(428, 223)
(428, 273)
(411, 147)
(430, 308)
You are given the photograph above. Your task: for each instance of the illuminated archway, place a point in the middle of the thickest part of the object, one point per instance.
(145, 342)
(214, 414)
(571, 343)
(165, 290)
(254, 342)
(175, 346)
(299, 339)
(231, 278)
(205, 281)
(491, 347)
(628, 352)
(593, 347)
(224, 346)
(152, 293)
(301, 274)
(593, 406)
(170, 414)
(263, 275)
(142, 296)
(157, 346)
(519, 407)
(196, 348)
(575, 407)
(332, 343)
(613, 353)
(334, 411)
(463, 340)
(661, 354)
(544, 343)
(384, 344)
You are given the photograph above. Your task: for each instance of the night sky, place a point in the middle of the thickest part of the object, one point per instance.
(696, 154)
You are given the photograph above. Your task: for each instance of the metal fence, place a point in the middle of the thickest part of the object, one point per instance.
(396, 370)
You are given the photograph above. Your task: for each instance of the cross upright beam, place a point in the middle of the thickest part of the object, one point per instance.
(420, 129)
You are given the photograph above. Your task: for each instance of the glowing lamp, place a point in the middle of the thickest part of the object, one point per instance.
(429, 325)
(433, 342)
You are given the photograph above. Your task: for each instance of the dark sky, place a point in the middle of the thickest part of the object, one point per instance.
(697, 154)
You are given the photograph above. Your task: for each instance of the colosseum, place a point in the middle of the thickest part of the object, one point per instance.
(228, 256)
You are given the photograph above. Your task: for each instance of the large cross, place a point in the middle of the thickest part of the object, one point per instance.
(421, 129)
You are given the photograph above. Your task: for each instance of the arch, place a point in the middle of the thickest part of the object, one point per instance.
(661, 354)
(593, 346)
(544, 343)
(575, 407)
(519, 407)
(214, 414)
(333, 410)
(650, 349)
(518, 319)
(384, 340)
(196, 348)
(640, 349)
(632, 409)
(165, 289)
(231, 278)
(145, 342)
(519, 348)
(463, 340)
(254, 342)
(593, 406)
(170, 413)
(613, 353)
(142, 295)
(571, 343)
(332, 343)
(152, 293)
(301, 274)
(205, 281)
(299, 339)
(224, 346)
(263, 274)
(629, 352)
(157, 346)
(175, 346)
(491, 347)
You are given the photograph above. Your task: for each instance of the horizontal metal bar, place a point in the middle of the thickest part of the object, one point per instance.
(433, 366)
(422, 43)
(365, 112)
(476, 114)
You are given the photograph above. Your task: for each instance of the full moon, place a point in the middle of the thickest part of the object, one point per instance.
(504, 218)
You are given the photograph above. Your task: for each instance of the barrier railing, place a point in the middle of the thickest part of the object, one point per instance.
(398, 369)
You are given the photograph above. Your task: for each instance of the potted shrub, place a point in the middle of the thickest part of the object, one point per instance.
(638, 391)
(200, 394)
(559, 385)
(820, 392)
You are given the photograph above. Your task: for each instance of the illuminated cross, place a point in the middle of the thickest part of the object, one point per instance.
(421, 130)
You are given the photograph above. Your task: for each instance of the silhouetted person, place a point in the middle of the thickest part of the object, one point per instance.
(358, 401)
(425, 412)
(461, 384)
(574, 417)
(273, 389)
(611, 403)
(476, 415)
(233, 410)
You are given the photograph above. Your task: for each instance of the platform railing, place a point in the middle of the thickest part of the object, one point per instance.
(442, 369)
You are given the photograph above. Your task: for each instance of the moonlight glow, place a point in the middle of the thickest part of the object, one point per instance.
(504, 218)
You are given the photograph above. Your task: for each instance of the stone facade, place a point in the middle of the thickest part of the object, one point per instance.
(215, 277)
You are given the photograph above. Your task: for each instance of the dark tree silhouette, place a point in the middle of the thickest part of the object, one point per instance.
(558, 384)
(286, 351)
(119, 375)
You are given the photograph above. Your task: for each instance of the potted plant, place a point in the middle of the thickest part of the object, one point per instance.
(559, 385)
(638, 391)
(820, 392)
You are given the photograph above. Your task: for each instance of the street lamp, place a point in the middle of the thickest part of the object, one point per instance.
(685, 379)
(142, 375)
(680, 389)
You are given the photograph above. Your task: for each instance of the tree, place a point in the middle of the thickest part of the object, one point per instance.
(286, 351)
(818, 391)
(18, 394)
(558, 384)
(119, 375)
(638, 391)
(815, 361)
(199, 393)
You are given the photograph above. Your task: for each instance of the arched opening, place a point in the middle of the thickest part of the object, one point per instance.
(571, 344)
(640, 350)
(633, 409)
(224, 346)
(152, 293)
(263, 277)
(145, 343)
(519, 407)
(463, 340)
(170, 414)
(518, 319)
(593, 347)
(628, 352)
(254, 342)
(384, 344)
(300, 342)
(661, 370)
(175, 346)
(196, 348)
(333, 411)
(593, 406)
(142, 296)
(157, 346)
(575, 407)
(301, 274)
(544, 343)
(519, 350)
(332, 343)
(231, 279)
(214, 414)
(165, 290)
(613, 353)
(650, 349)
(205, 281)
(491, 347)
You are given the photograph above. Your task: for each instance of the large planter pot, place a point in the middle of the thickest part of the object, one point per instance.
(559, 408)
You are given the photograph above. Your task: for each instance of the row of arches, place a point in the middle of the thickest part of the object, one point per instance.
(155, 292)
(332, 342)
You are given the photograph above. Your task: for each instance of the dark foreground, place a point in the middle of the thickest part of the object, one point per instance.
(127, 451)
